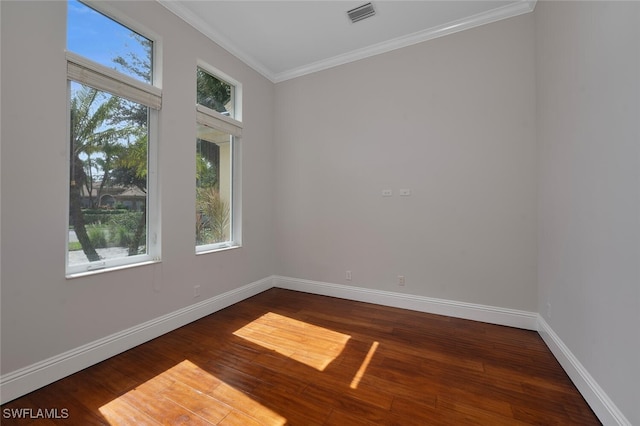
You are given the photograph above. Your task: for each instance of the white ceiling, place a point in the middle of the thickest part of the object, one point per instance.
(287, 39)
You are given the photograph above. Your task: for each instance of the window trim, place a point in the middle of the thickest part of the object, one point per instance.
(234, 225)
(237, 94)
(233, 126)
(124, 19)
(153, 254)
(87, 72)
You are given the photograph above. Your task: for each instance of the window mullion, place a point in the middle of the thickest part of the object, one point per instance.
(217, 123)
(100, 77)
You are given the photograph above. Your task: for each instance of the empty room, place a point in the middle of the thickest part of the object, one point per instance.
(421, 212)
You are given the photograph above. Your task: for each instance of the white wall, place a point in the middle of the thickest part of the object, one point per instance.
(494, 218)
(588, 79)
(452, 119)
(44, 314)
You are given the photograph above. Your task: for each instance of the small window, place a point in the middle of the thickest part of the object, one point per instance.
(215, 94)
(217, 139)
(92, 35)
(112, 110)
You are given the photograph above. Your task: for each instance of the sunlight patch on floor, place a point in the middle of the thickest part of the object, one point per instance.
(168, 396)
(364, 365)
(309, 344)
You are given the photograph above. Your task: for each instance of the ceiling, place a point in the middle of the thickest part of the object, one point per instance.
(286, 39)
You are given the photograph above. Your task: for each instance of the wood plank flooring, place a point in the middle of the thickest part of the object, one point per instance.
(290, 358)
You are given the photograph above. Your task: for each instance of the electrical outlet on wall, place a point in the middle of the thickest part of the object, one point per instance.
(548, 309)
(196, 291)
(347, 275)
(401, 280)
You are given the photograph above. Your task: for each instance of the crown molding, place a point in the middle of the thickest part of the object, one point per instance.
(178, 9)
(493, 15)
(503, 12)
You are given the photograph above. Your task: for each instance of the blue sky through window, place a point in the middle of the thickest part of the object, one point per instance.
(99, 38)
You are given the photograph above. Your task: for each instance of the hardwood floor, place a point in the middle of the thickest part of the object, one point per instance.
(290, 358)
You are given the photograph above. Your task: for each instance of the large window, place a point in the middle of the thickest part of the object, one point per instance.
(112, 110)
(217, 150)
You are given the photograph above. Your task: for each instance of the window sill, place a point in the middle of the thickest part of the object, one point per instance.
(81, 274)
(218, 249)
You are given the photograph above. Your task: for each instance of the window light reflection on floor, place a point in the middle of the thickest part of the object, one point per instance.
(150, 400)
(364, 365)
(309, 344)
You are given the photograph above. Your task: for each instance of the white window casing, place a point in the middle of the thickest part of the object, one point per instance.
(213, 119)
(87, 72)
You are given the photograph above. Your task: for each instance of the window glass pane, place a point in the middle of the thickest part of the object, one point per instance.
(101, 39)
(213, 186)
(215, 93)
(108, 177)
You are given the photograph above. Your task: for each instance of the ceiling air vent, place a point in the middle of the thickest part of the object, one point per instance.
(361, 12)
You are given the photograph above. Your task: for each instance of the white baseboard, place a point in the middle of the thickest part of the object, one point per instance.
(27, 379)
(598, 400)
(606, 411)
(35, 376)
(483, 313)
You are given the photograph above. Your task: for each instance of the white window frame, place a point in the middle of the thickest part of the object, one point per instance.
(87, 72)
(233, 126)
